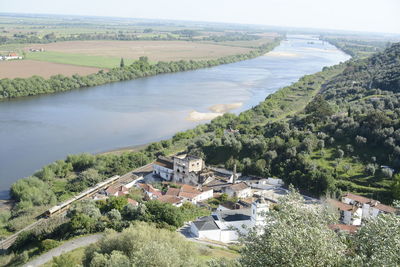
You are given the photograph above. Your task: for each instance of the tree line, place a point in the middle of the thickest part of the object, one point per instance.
(19, 87)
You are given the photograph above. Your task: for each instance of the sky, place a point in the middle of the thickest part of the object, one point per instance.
(354, 15)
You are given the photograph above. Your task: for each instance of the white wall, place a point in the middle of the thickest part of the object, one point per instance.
(205, 195)
(210, 234)
(164, 173)
(228, 236)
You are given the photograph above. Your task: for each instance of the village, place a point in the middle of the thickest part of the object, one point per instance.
(247, 199)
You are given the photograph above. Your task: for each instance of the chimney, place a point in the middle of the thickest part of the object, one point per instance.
(234, 176)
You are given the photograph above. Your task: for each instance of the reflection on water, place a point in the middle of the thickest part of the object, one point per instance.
(38, 130)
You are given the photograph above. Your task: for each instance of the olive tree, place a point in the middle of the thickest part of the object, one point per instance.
(296, 234)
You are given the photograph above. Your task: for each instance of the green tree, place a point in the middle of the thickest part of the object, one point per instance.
(142, 245)
(377, 243)
(122, 63)
(396, 186)
(296, 234)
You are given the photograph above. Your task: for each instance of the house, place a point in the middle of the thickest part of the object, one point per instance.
(117, 191)
(164, 167)
(349, 214)
(133, 202)
(174, 200)
(150, 191)
(239, 190)
(234, 205)
(190, 193)
(224, 225)
(11, 56)
(370, 207)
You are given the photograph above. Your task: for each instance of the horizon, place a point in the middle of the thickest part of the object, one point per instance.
(359, 16)
(312, 30)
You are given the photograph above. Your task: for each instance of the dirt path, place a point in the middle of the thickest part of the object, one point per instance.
(66, 247)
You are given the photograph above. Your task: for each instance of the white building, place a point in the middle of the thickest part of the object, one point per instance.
(349, 214)
(225, 224)
(191, 193)
(370, 207)
(164, 167)
(239, 190)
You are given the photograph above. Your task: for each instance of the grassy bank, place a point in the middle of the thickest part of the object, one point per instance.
(78, 59)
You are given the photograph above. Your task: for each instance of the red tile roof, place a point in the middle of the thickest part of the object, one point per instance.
(169, 199)
(172, 191)
(385, 208)
(340, 205)
(120, 189)
(358, 198)
(189, 195)
(239, 186)
(133, 202)
(189, 189)
(344, 227)
(150, 189)
(372, 202)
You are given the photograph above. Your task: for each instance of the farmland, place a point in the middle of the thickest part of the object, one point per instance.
(77, 59)
(86, 44)
(28, 68)
(154, 50)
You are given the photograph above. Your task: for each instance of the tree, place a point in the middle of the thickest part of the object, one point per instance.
(122, 63)
(164, 213)
(339, 153)
(396, 186)
(117, 203)
(370, 169)
(142, 245)
(377, 243)
(319, 109)
(296, 234)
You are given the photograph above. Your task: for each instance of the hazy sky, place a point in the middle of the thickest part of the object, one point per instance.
(362, 15)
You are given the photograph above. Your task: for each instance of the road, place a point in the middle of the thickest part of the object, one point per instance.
(66, 247)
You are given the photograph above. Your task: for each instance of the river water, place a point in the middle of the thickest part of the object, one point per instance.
(38, 130)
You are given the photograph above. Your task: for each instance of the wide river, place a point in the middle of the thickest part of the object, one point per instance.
(35, 131)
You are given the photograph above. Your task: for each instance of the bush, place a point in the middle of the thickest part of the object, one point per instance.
(47, 244)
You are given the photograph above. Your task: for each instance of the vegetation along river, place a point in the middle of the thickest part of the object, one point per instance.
(38, 130)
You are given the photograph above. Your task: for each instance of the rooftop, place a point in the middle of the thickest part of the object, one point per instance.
(372, 202)
(358, 198)
(344, 227)
(340, 205)
(239, 186)
(165, 162)
(169, 199)
(206, 223)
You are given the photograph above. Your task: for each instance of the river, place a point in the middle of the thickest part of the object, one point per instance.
(35, 131)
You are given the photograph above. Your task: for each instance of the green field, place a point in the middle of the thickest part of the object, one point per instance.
(78, 59)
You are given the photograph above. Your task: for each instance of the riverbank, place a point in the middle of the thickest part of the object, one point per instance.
(120, 116)
(16, 88)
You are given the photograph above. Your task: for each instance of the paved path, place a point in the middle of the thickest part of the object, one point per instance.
(67, 246)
